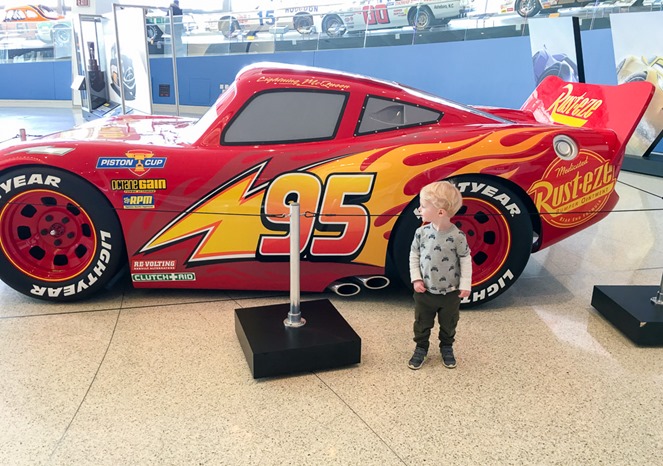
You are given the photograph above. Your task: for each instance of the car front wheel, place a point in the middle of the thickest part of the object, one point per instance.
(60, 238)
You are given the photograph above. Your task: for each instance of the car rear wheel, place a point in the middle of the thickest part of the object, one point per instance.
(333, 26)
(303, 23)
(60, 238)
(527, 8)
(421, 18)
(498, 230)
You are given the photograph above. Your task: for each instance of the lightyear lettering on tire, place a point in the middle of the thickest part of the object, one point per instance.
(60, 238)
(499, 233)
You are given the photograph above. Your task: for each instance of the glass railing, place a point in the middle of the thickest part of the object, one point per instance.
(35, 41)
(363, 24)
(322, 27)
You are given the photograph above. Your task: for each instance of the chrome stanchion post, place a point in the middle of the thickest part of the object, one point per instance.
(294, 316)
(658, 299)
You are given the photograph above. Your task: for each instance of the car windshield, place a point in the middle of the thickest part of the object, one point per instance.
(194, 132)
(48, 12)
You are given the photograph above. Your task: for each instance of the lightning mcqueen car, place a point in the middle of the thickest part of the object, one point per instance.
(205, 204)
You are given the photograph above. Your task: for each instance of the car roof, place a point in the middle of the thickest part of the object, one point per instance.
(288, 71)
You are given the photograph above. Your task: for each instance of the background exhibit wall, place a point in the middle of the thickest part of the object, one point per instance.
(48, 80)
(493, 72)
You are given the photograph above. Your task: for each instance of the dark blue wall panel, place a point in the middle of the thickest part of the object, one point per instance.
(36, 81)
(62, 79)
(495, 72)
(200, 78)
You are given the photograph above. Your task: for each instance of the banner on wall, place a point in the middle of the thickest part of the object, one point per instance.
(556, 48)
(638, 44)
(128, 59)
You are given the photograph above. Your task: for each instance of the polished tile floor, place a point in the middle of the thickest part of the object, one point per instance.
(154, 377)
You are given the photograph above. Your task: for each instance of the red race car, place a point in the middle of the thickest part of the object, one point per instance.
(205, 204)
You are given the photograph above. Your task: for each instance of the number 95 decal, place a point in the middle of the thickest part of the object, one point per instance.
(334, 221)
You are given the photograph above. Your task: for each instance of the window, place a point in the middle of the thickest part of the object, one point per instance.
(18, 15)
(387, 114)
(287, 116)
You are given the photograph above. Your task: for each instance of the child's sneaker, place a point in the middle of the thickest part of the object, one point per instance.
(418, 358)
(448, 357)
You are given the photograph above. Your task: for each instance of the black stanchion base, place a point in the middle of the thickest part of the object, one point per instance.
(271, 349)
(630, 309)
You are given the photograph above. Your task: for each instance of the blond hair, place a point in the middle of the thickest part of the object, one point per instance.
(443, 195)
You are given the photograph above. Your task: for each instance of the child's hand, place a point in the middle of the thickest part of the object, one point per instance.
(464, 293)
(419, 286)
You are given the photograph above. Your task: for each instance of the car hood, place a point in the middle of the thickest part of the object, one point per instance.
(138, 129)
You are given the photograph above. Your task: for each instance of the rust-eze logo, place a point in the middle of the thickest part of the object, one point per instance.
(573, 110)
(573, 191)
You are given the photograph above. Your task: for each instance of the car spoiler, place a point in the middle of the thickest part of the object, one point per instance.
(618, 108)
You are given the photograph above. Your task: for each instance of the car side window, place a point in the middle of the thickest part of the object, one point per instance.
(17, 15)
(287, 116)
(31, 14)
(379, 114)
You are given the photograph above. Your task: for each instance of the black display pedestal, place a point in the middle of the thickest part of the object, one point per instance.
(650, 165)
(271, 349)
(630, 309)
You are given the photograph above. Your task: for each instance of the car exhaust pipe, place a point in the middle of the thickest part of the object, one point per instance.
(345, 288)
(375, 282)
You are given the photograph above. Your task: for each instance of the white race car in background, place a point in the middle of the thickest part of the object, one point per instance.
(275, 16)
(366, 15)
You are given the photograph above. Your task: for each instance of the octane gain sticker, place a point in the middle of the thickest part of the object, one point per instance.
(139, 186)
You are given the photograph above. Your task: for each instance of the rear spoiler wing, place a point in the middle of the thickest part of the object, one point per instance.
(618, 108)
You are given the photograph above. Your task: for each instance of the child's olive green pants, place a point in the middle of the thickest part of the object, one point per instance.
(426, 307)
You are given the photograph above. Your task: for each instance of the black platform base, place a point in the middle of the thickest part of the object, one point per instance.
(630, 309)
(650, 165)
(325, 342)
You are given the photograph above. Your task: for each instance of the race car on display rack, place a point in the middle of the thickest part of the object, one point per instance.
(276, 16)
(205, 204)
(365, 15)
(35, 21)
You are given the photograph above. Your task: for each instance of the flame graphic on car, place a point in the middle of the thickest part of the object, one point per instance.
(230, 220)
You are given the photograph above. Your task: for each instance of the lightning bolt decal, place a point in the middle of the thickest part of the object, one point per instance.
(221, 218)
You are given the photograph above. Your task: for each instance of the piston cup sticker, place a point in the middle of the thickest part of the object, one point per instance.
(573, 191)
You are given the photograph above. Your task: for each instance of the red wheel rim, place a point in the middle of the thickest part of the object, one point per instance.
(488, 236)
(47, 236)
